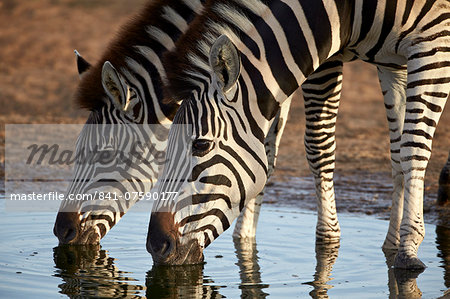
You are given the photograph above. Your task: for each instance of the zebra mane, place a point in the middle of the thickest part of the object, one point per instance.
(187, 66)
(141, 31)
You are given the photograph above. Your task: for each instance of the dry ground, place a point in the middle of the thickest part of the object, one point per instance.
(38, 78)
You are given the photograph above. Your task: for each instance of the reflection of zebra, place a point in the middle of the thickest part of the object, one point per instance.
(189, 281)
(180, 282)
(242, 60)
(88, 271)
(252, 285)
(326, 255)
(120, 97)
(401, 282)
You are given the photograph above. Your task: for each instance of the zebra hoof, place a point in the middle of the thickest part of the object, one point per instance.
(404, 261)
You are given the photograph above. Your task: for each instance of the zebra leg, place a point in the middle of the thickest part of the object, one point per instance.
(248, 219)
(393, 84)
(427, 91)
(321, 92)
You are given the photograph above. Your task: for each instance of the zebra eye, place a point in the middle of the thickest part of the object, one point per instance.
(201, 146)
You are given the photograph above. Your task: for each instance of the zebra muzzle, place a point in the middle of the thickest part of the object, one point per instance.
(68, 230)
(66, 227)
(163, 242)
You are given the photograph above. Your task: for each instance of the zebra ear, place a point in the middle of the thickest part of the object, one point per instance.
(82, 64)
(225, 61)
(115, 86)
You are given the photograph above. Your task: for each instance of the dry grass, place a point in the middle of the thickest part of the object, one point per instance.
(38, 78)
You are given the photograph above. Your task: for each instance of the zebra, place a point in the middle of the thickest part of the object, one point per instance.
(124, 89)
(240, 60)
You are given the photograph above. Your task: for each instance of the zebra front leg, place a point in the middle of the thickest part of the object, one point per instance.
(427, 91)
(393, 84)
(322, 93)
(248, 219)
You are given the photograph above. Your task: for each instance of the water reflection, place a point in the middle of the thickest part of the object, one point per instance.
(190, 282)
(402, 283)
(88, 271)
(249, 271)
(326, 255)
(443, 245)
(179, 282)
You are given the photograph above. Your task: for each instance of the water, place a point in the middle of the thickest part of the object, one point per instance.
(284, 262)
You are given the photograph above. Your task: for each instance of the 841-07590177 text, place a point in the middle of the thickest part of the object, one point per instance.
(134, 195)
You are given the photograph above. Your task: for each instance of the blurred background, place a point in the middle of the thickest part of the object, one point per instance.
(38, 78)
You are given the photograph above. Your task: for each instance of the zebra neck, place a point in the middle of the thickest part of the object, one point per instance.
(137, 53)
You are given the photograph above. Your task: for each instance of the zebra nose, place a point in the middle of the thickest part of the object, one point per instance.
(66, 227)
(161, 242)
(161, 246)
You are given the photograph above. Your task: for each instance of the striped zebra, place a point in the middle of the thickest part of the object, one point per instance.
(122, 88)
(123, 92)
(239, 62)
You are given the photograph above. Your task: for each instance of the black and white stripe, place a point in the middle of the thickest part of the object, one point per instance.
(123, 91)
(240, 61)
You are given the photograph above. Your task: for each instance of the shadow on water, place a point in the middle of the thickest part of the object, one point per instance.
(88, 271)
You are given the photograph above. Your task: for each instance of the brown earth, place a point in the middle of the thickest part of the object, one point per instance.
(38, 78)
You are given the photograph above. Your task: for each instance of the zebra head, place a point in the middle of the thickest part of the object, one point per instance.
(212, 167)
(116, 154)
